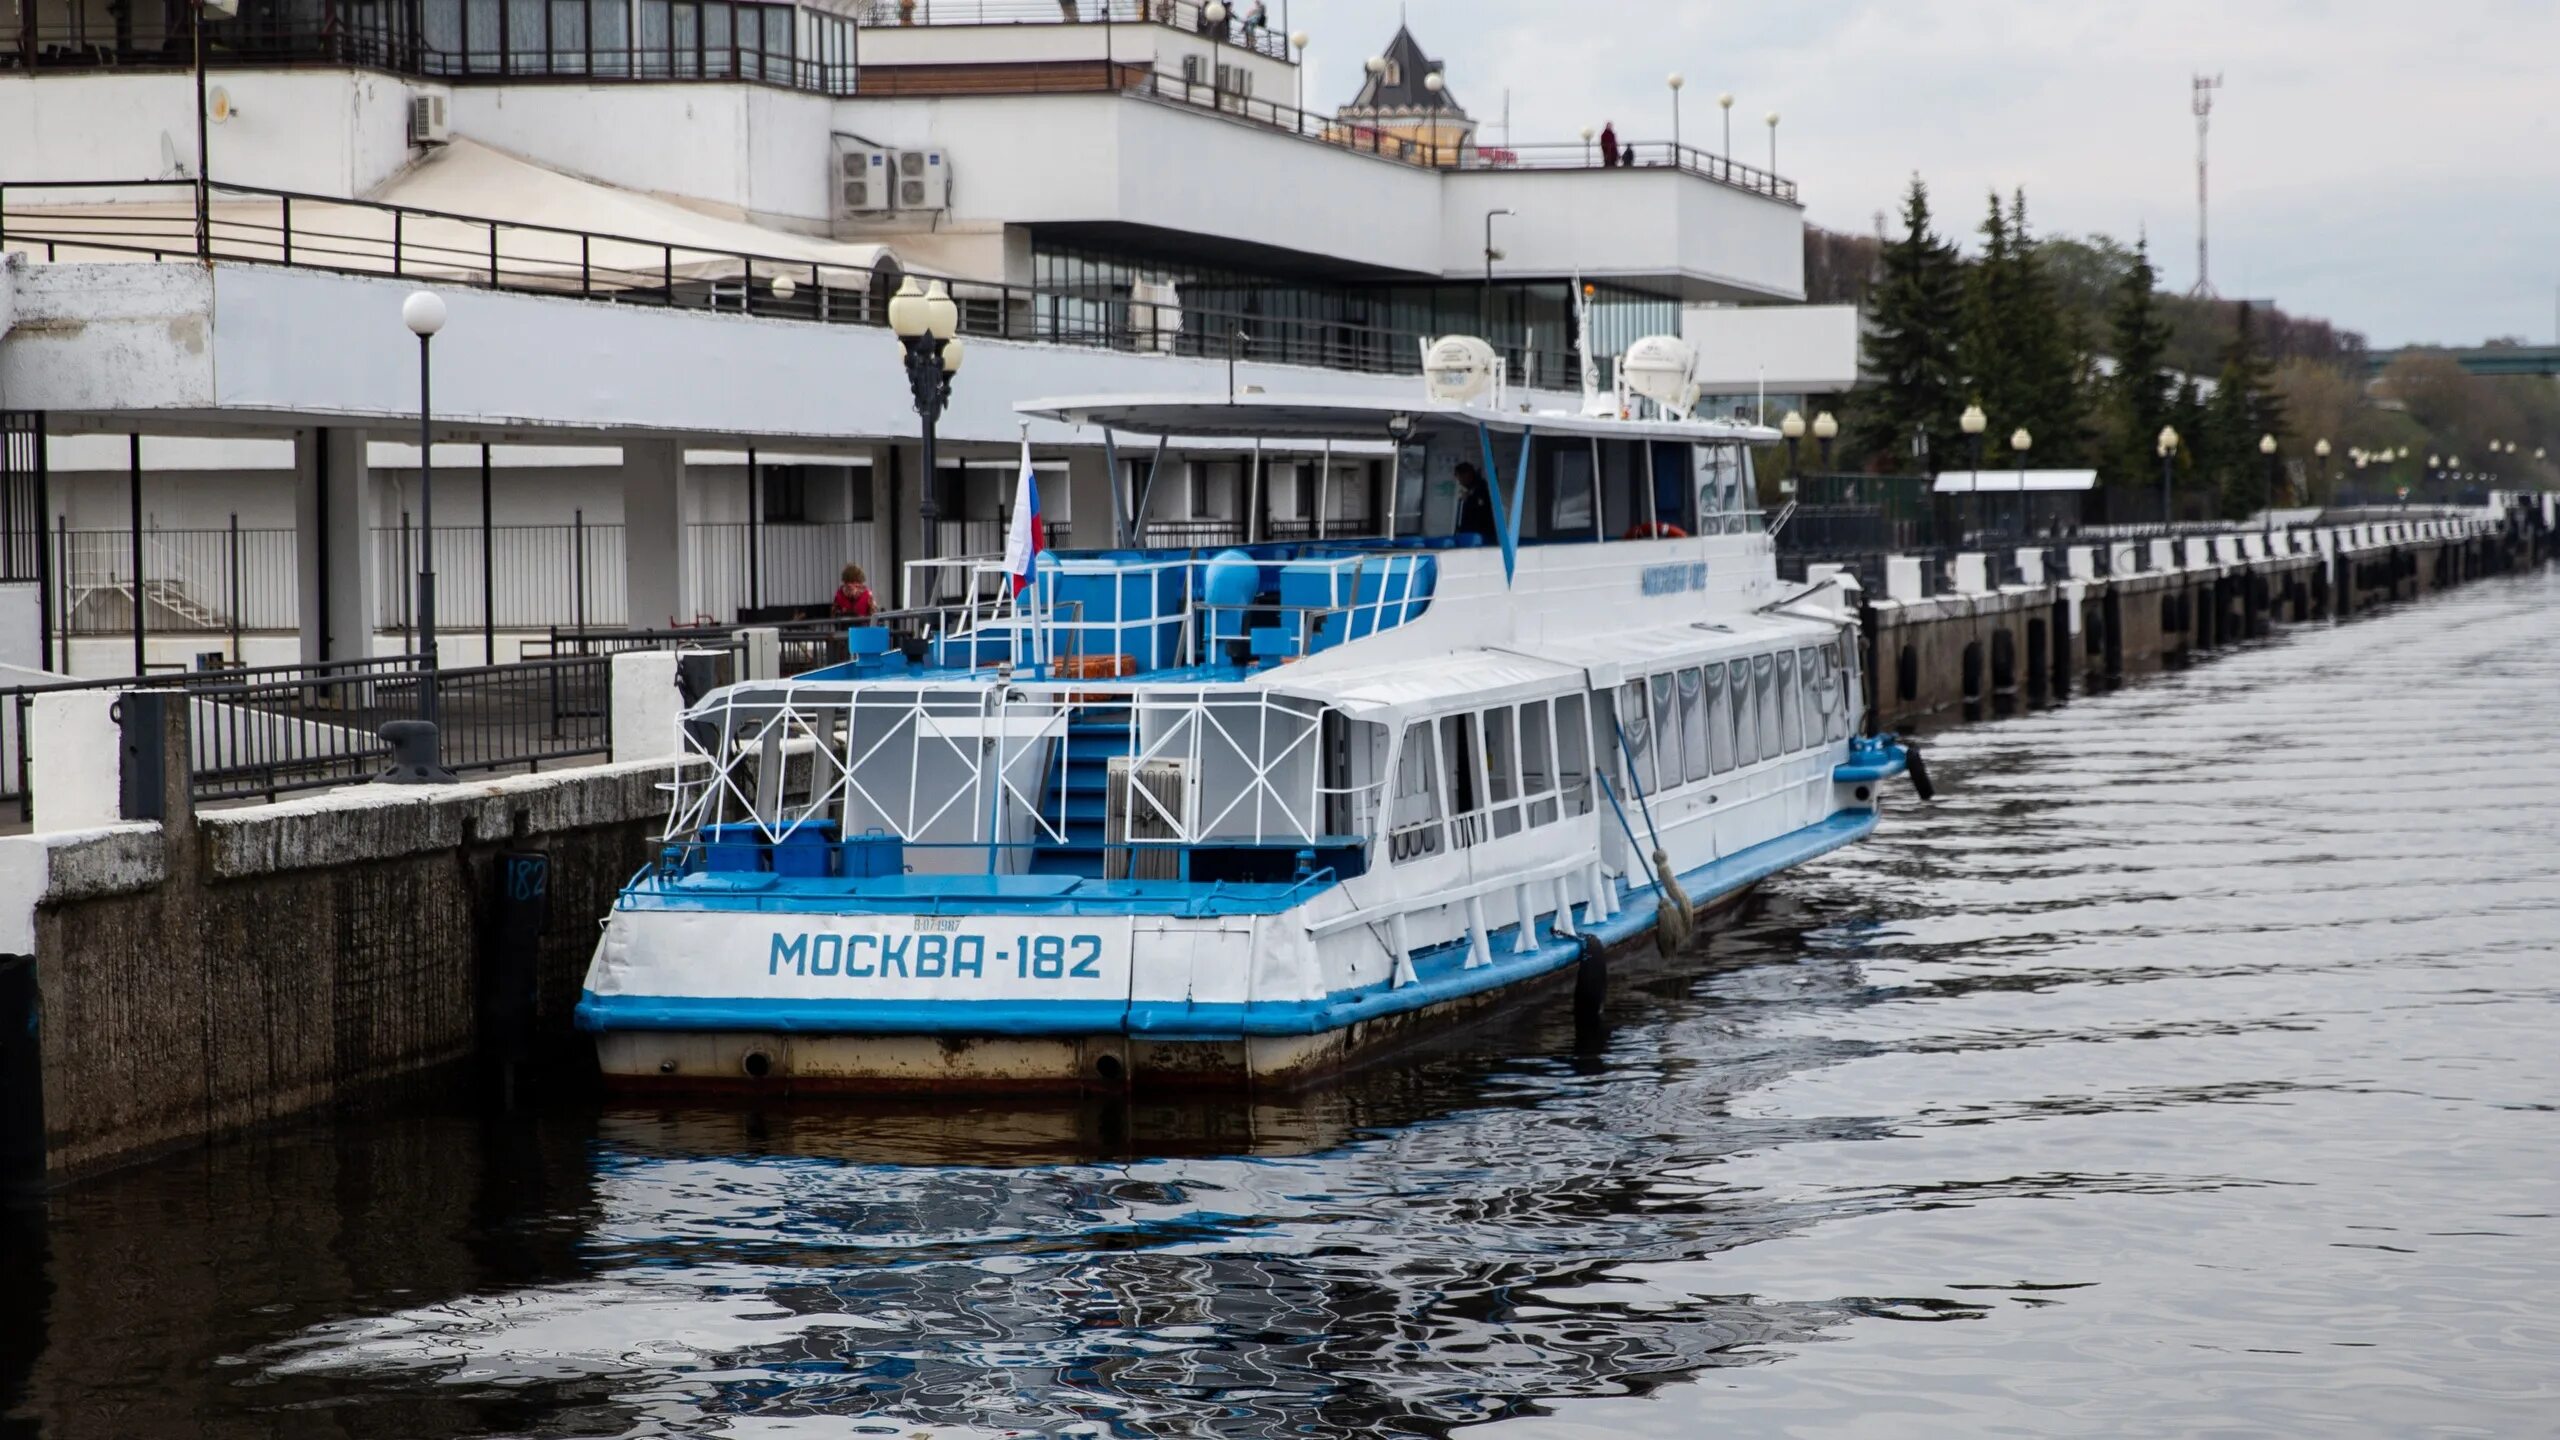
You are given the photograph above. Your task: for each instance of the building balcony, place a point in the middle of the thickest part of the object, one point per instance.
(457, 41)
(882, 19)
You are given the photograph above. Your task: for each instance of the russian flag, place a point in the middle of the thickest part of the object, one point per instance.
(1028, 537)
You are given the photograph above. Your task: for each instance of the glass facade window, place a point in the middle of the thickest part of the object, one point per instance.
(1347, 325)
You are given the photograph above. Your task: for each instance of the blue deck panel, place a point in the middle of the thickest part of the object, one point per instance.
(1441, 971)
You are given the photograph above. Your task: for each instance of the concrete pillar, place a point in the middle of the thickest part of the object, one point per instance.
(1089, 482)
(655, 564)
(2030, 565)
(1973, 574)
(334, 515)
(2164, 555)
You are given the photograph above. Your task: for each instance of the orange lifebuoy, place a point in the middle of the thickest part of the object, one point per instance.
(1655, 530)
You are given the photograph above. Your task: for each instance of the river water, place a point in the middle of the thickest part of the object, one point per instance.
(2190, 1068)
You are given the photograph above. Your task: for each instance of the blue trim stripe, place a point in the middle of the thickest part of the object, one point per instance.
(1441, 971)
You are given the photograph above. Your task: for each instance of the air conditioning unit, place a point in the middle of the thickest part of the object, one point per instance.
(862, 183)
(427, 124)
(924, 180)
(1128, 818)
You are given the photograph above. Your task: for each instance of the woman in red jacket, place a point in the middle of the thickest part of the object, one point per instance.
(854, 602)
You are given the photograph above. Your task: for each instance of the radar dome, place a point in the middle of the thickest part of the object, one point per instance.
(1664, 370)
(1459, 368)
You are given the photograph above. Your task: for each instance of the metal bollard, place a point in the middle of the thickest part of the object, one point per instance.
(416, 754)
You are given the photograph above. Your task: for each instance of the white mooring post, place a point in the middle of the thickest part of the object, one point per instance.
(75, 748)
(648, 710)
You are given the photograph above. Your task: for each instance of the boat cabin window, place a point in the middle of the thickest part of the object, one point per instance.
(1415, 816)
(1461, 762)
(1538, 761)
(1790, 702)
(1774, 740)
(1719, 721)
(1693, 724)
(1725, 484)
(1746, 713)
(1573, 755)
(1502, 769)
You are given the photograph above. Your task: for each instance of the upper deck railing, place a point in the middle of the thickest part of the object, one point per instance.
(76, 220)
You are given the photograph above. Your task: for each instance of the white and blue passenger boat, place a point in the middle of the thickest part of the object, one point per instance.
(1245, 816)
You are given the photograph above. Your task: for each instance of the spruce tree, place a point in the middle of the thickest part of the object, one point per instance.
(2048, 363)
(1988, 348)
(1910, 360)
(2244, 408)
(2138, 399)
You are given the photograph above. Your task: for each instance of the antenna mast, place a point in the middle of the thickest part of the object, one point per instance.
(2205, 85)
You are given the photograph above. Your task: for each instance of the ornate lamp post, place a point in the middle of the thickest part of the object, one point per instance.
(924, 322)
(2167, 446)
(2267, 503)
(1793, 428)
(423, 313)
(2320, 451)
(1825, 430)
(1298, 43)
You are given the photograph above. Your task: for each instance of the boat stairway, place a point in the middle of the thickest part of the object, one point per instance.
(1095, 737)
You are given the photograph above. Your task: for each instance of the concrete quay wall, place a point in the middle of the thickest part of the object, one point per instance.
(214, 971)
(2130, 608)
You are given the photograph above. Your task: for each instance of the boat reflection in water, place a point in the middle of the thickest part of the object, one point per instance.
(1431, 1245)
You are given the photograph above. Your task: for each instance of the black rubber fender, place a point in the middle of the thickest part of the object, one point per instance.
(1590, 983)
(1921, 784)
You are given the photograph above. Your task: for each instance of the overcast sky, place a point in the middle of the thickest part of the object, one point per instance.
(2392, 166)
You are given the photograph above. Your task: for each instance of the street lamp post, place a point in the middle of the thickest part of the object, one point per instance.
(423, 312)
(1675, 80)
(2320, 452)
(1484, 317)
(1825, 430)
(1298, 43)
(1773, 144)
(1587, 133)
(1724, 102)
(2267, 502)
(2020, 442)
(1793, 429)
(1972, 422)
(2167, 445)
(924, 322)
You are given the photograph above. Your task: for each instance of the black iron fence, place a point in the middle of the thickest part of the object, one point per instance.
(271, 730)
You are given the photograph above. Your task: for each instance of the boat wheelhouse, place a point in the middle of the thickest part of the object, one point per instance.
(1245, 815)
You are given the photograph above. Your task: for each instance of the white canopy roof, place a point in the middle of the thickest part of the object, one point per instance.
(2009, 482)
(1388, 692)
(1361, 417)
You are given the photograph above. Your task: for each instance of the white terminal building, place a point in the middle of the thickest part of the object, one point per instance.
(666, 232)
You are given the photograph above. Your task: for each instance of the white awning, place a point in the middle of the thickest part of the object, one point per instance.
(466, 178)
(1996, 481)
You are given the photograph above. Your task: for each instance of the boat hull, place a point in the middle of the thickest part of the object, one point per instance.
(765, 1062)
